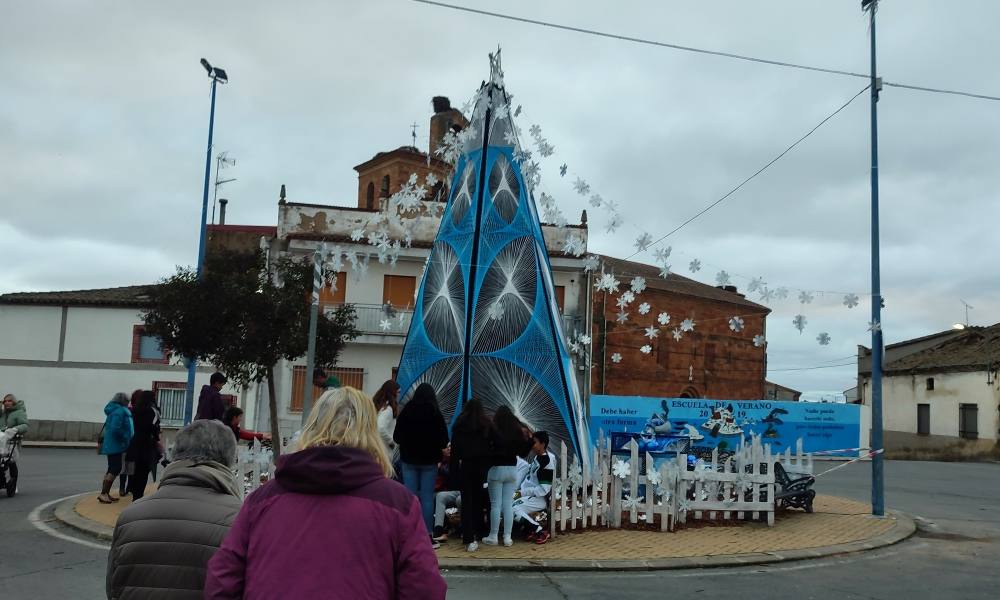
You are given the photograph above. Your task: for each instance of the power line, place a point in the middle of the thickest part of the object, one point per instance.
(758, 172)
(731, 55)
(811, 368)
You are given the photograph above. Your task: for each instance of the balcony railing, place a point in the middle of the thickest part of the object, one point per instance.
(376, 319)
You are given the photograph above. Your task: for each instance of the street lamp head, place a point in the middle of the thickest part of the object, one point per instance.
(215, 72)
(207, 66)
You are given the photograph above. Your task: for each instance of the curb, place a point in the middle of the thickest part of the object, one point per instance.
(65, 513)
(904, 528)
(71, 445)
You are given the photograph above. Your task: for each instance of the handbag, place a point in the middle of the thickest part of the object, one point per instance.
(100, 439)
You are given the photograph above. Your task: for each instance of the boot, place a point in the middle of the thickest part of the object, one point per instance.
(105, 495)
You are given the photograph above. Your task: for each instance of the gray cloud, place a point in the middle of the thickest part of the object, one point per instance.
(103, 125)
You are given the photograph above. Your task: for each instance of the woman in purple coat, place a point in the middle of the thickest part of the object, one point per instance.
(331, 524)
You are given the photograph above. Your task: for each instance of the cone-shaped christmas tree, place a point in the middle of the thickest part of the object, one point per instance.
(486, 324)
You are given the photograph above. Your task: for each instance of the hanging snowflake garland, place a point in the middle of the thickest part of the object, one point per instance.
(823, 339)
(758, 340)
(851, 300)
(800, 322)
(663, 318)
(736, 324)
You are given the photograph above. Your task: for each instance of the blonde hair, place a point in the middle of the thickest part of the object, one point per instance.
(346, 417)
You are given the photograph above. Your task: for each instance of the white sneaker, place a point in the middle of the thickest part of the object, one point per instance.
(490, 541)
(508, 542)
(472, 547)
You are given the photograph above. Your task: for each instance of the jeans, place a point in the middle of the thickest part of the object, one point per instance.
(419, 479)
(502, 481)
(442, 502)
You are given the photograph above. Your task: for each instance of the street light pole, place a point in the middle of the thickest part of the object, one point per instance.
(878, 497)
(217, 76)
(307, 393)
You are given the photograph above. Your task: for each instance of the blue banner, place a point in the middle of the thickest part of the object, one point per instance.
(696, 426)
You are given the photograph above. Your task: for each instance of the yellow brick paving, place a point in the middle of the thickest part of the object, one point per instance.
(836, 521)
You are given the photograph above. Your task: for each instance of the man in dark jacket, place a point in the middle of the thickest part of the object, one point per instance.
(210, 402)
(162, 543)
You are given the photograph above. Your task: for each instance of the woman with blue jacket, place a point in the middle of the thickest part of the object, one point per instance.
(115, 438)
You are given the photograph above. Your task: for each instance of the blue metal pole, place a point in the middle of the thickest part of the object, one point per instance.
(193, 364)
(878, 498)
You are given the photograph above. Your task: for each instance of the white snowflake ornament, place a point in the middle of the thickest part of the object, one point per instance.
(694, 266)
(621, 468)
(591, 263)
(616, 358)
(573, 245)
(851, 300)
(652, 332)
(663, 318)
(781, 293)
(644, 308)
(800, 322)
(622, 316)
(662, 254)
(646, 349)
(874, 326)
(581, 187)
(755, 284)
(596, 200)
(607, 283)
(805, 297)
(357, 234)
(677, 333)
(638, 284)
(385, 324)
(642, 242)
(562, 170)
(758, 340)
(736, 324)
(722, 278)
(687, 325)
(628, 296)
(823, 339)
(664, 270)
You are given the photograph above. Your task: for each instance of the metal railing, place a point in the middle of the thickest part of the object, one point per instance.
(172, 403)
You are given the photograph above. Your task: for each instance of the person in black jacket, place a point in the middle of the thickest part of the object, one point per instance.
(143, 447)
(509, 439)
(421, 434)
(471, 456)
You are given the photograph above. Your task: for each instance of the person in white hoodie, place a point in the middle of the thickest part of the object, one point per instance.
(536, 487)
(386, 401)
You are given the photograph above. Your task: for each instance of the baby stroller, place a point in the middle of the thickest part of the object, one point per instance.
(9, 444)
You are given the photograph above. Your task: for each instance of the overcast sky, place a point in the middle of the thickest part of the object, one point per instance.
(104, 110)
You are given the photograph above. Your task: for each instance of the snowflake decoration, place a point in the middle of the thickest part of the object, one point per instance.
(758, 340)
(581, 187)
(663, 318)
(653, 477)
(575, 474)
(616, 358)
(385, 324)
(722, 278)
(622, 302)
(607, 282)
(766, 295)
(644, 308)
(694, 265)
(591, 263)
(642, 242)
(622, 316)
(584, 339)
(638, 285)
(652, 332)
(628, 296)
(646, 349)
(357, 234)
(629, 502)
(596, 200)
(805, 297)
(496, 311)
(678, 334)
(736, 324)
(800, 322)
(574, 347)
(432, 179)
(684, 505)
(517, 111)
(573, 245)
(621, 469)
(687, 325)
(781, 293)
(823, 339)
(874, 326)
(851, 300)
(662, 254)
(614, 222)
(755, 284)
(664, 270)
(562, 170)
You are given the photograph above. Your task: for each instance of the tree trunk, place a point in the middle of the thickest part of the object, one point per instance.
(272, 406)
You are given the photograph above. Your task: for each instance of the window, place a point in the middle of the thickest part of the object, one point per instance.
(172, 399)
(398, 290)
(146, 349)
(334, 297)
(923, 419)
(370, 196)
(930, 383)
(385, 187)
(347, 376)
(561, 298)
(968, 421)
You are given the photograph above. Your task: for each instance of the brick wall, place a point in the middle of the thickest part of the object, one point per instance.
(710, 362)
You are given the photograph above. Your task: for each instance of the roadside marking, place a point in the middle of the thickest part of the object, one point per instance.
(35, 518)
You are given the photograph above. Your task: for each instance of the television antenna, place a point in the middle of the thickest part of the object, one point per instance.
(221, 162)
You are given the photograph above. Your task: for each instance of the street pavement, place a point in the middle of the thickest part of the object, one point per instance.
(955, 554)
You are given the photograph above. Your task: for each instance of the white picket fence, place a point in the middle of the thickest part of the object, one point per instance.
(740, 487)
(255, 465)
